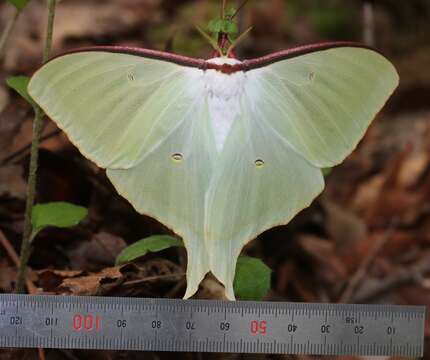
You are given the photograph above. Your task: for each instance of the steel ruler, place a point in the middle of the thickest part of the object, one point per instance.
(75, 322)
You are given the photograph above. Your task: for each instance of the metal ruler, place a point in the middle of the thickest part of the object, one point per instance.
(76, 322)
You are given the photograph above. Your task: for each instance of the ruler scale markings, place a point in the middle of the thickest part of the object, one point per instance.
(262, 326)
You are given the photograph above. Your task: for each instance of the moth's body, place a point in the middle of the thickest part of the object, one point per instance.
(223, 93)
(218, 150)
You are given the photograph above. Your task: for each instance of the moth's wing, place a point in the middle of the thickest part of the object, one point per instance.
(259, 182)
(137, 116)
(170, 184)
(322, 101)
(115, 107)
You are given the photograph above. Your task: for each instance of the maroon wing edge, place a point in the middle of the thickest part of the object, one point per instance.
(298, 51)
(203, 64)
(153, 54)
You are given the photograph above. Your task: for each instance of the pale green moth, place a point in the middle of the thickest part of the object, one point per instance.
(218, 150)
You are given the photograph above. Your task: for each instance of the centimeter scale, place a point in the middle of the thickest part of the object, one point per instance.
(210, 326)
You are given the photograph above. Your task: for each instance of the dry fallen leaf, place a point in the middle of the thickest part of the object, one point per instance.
(341, 224)
(77, 282)
(7, 277)
(100, 251)
(328, 265)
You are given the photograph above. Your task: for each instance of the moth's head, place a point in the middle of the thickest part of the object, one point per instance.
(223, 32)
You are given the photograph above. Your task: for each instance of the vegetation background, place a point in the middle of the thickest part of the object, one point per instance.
(365, 239)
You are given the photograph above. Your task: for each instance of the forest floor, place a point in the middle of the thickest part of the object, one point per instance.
(365, 239)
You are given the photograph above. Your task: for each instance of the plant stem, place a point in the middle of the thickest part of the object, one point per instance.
(7, 31)
(34, 156)
(368, 23)
(49, 30)
(238, 9)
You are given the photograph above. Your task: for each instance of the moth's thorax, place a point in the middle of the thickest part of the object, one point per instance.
(223, 92)
(224, 60)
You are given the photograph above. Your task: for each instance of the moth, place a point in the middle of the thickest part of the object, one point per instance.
(218, 149)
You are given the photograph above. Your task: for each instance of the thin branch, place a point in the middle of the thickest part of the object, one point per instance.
(152, 278)
(224, 4)
(49, 30)
(173, 291)
(26, 148)
(107, 288)
(413, 275)
(364, 265)
(30, 285)
(368, 23)
(10, 251)
(41, 353)
(31, 187)
(7, 31)
(238, 9)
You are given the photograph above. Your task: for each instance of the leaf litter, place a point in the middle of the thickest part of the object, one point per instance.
(366, 239)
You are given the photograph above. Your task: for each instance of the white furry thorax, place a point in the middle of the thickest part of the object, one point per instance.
(223, 92)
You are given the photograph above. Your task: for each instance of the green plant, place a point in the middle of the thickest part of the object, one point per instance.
(18, 83)
(142, 247)
(19, 5)
(56, 214)
(252, 278)
(223, 31)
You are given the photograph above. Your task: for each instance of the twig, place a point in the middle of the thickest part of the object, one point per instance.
(178, 286)
(7, 31)
(364, 265)
(238, 9)
(107, 288)
(224, 4)
(30, 286)
(27, 147)
(152, 278)
(368, 23)
(412, 275)
(31, 187)
(14, 257)
(41, 353)
(68, 354)
(49, 30)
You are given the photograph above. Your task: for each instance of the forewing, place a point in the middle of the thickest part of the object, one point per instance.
(170, 184)
(259, 182)
(114, 107)
(322, 102)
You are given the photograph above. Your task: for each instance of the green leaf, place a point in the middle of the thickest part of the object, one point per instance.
(150, 244)
(230, 12)
(19, 84)
(326, 171)
(215, 26)
(58, 214)
(225, 26)
(19, 4)
(252, 279)
(230, 27)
